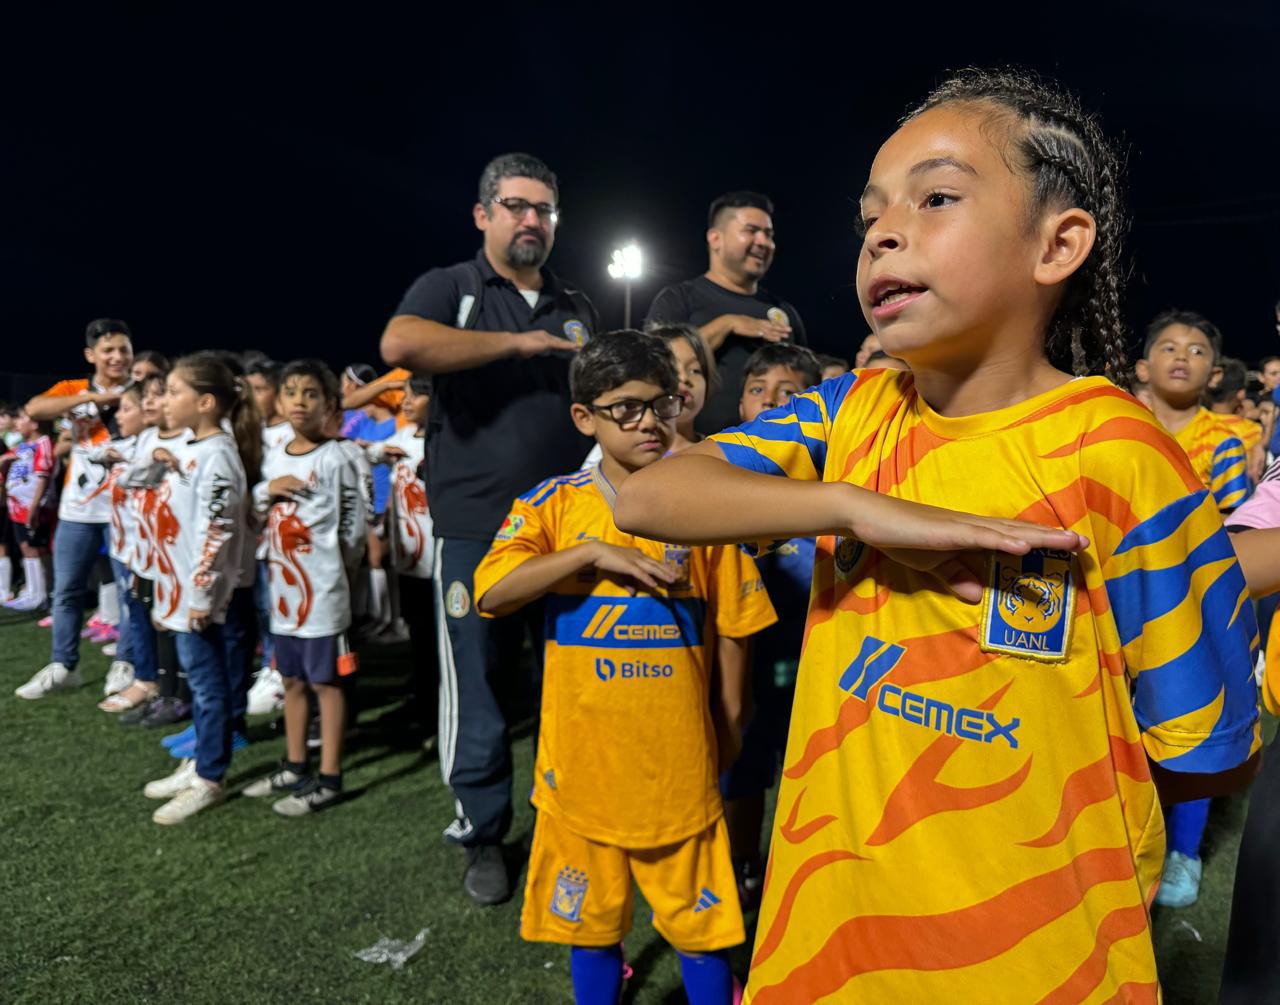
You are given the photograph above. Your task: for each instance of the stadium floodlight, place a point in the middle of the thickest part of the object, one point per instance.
(627, 264)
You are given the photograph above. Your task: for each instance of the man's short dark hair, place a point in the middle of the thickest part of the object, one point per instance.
(1266, 360)
(1190, 319)
(420, 384)
(825, 360)
(737, 200)
(100, 328)
(793, 357)
(515, 166)
(612, 359)
(319, 371)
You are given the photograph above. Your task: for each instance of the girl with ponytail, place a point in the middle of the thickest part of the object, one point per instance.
(202, 524)
(990, 711)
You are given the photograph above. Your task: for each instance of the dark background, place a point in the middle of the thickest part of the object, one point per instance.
(238, 179)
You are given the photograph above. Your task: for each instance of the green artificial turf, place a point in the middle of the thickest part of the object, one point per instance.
(98, 904)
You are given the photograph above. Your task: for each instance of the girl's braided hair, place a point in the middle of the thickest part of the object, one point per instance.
(1061, 148)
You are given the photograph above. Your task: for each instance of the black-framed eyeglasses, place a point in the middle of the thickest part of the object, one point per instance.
(629, 411)
(520, 207)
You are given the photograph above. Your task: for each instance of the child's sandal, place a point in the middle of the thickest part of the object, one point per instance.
(122, 701)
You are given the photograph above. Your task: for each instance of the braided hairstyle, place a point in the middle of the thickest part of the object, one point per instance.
(1069, 162)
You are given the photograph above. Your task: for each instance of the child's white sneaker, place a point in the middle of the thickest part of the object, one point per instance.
(54, 677)
(170, 785)
(119, 677)
(199, 795)
(267, 693)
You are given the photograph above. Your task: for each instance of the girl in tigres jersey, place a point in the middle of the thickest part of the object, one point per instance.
(985, 702)
(203, 502)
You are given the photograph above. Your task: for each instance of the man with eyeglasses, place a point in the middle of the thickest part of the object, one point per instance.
(734, 314)
(496, 333)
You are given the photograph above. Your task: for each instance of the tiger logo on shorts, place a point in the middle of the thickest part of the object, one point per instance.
(570, 891)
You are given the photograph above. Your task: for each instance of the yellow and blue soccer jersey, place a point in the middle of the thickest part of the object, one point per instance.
(627, 748)
(966, 811)
(1218, 456)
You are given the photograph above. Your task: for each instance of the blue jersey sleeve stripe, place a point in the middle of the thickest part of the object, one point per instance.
(533, 492)
(1221, 657)
(834, 391)
(552, 486)
(1163, 524)
(1222, 463)
(743, 455)
(1140, 596)
(1232, 494)
(1226, 747)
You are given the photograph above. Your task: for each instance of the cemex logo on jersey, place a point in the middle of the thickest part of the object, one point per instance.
(626, 622)
(874, 661)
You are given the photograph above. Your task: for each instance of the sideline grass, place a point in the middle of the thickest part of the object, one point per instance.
(102, 905)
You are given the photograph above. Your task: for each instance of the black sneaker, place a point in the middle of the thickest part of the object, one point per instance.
(308, 799)
(283, 779)
(486, 879)
(135, 715)
(166, 712)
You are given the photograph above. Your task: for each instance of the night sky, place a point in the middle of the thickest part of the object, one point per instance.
(234, 180)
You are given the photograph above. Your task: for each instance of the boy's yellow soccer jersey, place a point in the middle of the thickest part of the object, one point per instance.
(966, 812)
(1218, 456)
(1249, 431)
(627, 747)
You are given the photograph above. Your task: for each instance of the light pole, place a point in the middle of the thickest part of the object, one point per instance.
(627, 266)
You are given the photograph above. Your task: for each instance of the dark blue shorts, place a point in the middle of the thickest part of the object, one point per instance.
(328, 660)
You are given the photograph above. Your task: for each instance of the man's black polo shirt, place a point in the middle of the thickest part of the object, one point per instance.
(496, 431)
(697, 301)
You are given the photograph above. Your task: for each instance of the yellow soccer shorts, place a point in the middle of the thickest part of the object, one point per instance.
(579, 892)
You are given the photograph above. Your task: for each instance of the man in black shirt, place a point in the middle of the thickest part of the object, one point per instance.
(496, 334)
(727, 303)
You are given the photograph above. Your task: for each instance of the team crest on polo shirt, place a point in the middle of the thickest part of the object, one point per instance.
(570, 892)
(576, 332)
(1029, 605)
(849, 551)
(457, 601)
(777, 315)
(511, 526)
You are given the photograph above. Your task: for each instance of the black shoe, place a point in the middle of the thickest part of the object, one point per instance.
(486, 879)
(167, 712)
(135, 715)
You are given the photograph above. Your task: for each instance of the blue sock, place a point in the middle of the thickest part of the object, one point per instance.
(707, 978)
(597, 974)
(1185, 823)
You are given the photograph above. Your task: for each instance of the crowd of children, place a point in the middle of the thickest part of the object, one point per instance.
(976, 711)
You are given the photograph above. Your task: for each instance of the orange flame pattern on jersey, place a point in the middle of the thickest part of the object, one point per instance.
(290, 538)
(411, 503)
(164, 524)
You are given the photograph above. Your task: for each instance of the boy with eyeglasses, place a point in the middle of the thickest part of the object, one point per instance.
(632, 728)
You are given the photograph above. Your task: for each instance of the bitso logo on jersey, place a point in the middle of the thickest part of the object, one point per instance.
(1029, 606)
(570, 891)
(511, 526)
(778, 316)
(576, 332)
